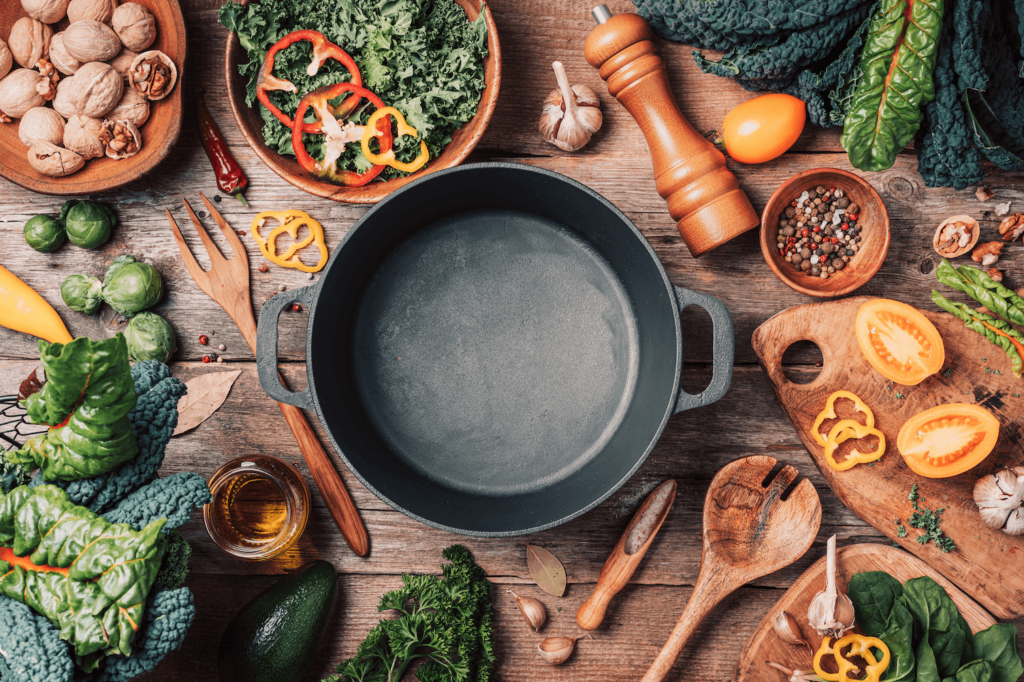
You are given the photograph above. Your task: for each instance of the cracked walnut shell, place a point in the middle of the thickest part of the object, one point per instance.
(87, 136)
(41, 124)
(96, 89)
(60, 58)
(90, 41)
(956, 236)
(135, 26)
(153, 75)
(54, 161)
(126, 141)
(29, 41)
(96, 10)
(46, 11)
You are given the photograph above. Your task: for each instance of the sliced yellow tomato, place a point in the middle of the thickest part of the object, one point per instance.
(947, 440)
(899, 341)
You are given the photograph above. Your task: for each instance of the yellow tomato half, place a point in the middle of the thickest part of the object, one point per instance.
(948, 440)
(899, 341)
(763, 128)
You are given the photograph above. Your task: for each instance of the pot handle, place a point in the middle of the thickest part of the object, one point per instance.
(722, 351)
(266, 346)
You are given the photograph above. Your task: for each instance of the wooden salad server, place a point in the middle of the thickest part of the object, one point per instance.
(227, 283)
(703, 196)
(749, 532)
(626, 556)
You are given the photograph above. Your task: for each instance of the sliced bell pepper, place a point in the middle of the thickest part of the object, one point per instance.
(388, 157)
(338, 136)
(830, 413)
(824, 650)
(323, 50)
(290, 222)
(844, 431)
(861, 646)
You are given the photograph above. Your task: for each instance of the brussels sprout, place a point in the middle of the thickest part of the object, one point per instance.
(44, 234)
(87, 223)
(82, 293)
(149, 338)
(131, 286)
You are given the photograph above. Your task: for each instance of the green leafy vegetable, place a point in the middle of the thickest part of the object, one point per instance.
(873, 594)
(130, 286)
(997, 331)
(149, 337)
(998, 644)
(929, 521)
(983, 289)
(174, 568)
(423, 57)
(44, 234)
(87, 223)
(446, 621)
(82, 293)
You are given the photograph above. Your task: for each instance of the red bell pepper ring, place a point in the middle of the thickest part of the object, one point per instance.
(323, 50)
(338, 134)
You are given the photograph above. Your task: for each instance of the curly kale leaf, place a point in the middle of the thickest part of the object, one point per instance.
(12, 475)
(174, 568)
(173, 498)
(30, 646)
(169, 614)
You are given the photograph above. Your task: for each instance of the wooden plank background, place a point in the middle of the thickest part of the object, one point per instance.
(695, 444)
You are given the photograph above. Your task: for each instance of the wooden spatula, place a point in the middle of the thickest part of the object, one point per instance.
(749, 532)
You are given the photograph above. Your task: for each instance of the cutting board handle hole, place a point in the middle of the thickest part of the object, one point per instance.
(802, 362)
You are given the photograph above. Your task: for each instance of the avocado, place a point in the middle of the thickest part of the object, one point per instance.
(275, 636)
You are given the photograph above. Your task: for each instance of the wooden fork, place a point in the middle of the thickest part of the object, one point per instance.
(227, 283)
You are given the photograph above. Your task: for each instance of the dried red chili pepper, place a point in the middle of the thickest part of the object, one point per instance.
(230, 177)
(323, 50)
(338, 135)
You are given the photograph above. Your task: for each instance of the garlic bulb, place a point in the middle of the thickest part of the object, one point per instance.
(795, 675)
(532, 609)
(831, 611)
(788, 630)
(1000, 499)
(571, 115)
(556, 650)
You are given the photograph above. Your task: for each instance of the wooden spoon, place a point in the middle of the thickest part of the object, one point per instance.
(749, 532)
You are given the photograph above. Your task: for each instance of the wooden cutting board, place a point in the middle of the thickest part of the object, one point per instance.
(986, 563)
(765, 645)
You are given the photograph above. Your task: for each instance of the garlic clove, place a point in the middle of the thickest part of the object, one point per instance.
(795, 675)
(556, 650)
(788, 629)
(1000, 500)
(831, 612)
(532, 609)
(571, 115)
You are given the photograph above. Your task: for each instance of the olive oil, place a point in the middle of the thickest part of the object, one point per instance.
(259, 509)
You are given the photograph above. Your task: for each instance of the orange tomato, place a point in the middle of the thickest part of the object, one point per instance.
(899, 341)
(763, 128)
(947, 440)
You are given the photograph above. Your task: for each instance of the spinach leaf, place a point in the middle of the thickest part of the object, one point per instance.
(938, 620)
(899, 637)
(873, 594)
(977, 671)
(927, 668)
(998, 644)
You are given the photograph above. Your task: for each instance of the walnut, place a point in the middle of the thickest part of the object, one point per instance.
(1012, 227)
(97, 10)
(96, 89)
(62, 102)
(133, 108)
(126, 140)
(984, 194)
(54, 161)
(122, 63)
(135, 26)
(995, 274)
(41, 123)
(29, 41)
(956, 236)
(987, 253)
(87, 136)
(23, 89)
(46, 11)
(153, 75)
(90, 41)
(6, 59)
(60, 58)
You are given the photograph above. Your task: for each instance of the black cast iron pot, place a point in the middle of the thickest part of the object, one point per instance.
(494, 349)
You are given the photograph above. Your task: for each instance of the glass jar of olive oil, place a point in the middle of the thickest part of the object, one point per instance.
(260, 507)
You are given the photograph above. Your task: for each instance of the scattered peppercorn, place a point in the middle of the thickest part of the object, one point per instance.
(203, 339)
(262, 267)
(206, 358)
(297, 308)
(216, 198)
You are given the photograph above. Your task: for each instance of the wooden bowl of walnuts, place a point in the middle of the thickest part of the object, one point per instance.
(90, 97)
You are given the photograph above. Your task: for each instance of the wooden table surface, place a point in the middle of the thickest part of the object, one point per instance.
(747, 421)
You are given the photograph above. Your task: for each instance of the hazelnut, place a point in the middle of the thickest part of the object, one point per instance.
(61, 101)
(133, 108)
(29, 41)
(87, 136)
(46, 11)
(153, 75)
(122, 63)
(125, 140)
(987, 253)
(6, 59)
(41, 123)
(96, 89)
(23, 89)
(60, 58)
(96, 10)
(90, 41)
(54, 161)
(134, 25)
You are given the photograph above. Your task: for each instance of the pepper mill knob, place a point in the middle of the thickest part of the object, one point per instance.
(703, 196)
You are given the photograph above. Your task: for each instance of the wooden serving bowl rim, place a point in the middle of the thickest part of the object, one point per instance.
(821, 288)
(103, 174)
(464, 139)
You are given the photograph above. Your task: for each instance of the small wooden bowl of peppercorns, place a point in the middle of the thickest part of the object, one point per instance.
(825, 232)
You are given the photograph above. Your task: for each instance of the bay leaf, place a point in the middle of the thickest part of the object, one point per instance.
(546, 570)
(206, 393)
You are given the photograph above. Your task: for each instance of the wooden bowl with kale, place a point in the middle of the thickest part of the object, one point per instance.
(347, 67)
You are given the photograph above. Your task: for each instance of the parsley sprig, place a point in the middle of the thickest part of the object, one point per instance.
(929, 521)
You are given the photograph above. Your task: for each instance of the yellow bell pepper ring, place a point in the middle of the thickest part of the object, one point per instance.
(823, 651)
(388, 157)
(860, 646)
(830, 413)
(844, 431)
(290, 222)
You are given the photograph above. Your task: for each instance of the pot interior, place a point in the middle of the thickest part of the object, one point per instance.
(494, 350)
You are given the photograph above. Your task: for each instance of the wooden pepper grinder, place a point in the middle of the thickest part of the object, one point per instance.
(703, 196)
